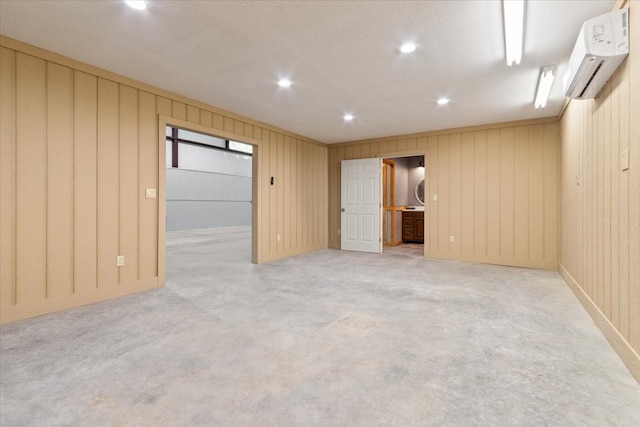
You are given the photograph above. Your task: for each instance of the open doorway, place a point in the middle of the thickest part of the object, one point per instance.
(208, 199)
(403, 215)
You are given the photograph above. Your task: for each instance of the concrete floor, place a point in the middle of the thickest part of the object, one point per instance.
(329, 339)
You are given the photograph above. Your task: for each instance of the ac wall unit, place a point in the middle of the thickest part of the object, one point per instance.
(602, 44)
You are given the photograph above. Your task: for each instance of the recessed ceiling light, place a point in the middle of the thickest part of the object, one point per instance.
(443, 101)
(137, 4)
(408, 47)
(348, 117)
(284, 83)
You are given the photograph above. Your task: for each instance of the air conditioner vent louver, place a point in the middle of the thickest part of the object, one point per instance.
(602, 45)
(595, 73)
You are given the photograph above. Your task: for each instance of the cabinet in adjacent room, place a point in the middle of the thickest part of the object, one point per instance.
(413, 226)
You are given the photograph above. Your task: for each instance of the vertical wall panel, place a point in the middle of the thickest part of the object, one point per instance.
(7, 177)
(444, 190)
(85, 202)
(485, 196)
(130, 191)
(108, 183)
(78, 149)
(455, 191)
(521, 193)
(148, 178)
(59, 181)
(467, 208)
(286, 193)
(600, 210)
(480, 193)
(536, 197)
(506, 192)
(493, 193)
(31, 175)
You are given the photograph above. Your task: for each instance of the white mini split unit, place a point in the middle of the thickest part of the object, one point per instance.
(602, 44)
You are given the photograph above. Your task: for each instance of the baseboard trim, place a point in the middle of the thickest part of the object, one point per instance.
(628, 355)
(14, 313)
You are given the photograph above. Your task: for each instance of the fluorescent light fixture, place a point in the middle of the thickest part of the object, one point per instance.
(137, 4)
(408, 47)
(513, 14)
(348, 117)
(547, 74)
(284, 83)
(443, 101)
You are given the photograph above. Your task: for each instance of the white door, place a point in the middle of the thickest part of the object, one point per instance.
(361, 206)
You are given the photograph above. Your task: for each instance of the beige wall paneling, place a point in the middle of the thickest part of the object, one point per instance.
(493, 193)
(85, 202)
(193, 114)
(281, 188)
(521, 193)
(31, 173)
(467, 209)
(147, 178)
(60, 179)
(179, 110)
(480, 193)
(482, 177)
(108, 183)
(535, 187)
(506, 192)
(600, 209)
(444, 194)
(129, 191)
(96, 136)
(7, 177)
(632, 109)
(286, 193)
(455, 191)
(551, 198)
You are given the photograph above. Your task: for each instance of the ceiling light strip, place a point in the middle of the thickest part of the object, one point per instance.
(545, 81)
(513, 14)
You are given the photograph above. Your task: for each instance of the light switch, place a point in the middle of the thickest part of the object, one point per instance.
(435, 197)
(120, 261)
(624, 160)
(150, 193)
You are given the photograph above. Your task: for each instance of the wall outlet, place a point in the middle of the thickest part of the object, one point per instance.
(120, 261)
(452, 239)
(278, 237)
(435, 197)
(150, 193)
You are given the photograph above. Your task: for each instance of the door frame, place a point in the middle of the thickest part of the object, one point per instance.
(256, 223)
(427, 189)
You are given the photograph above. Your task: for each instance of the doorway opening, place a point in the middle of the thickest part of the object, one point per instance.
(209, 202)
(404, 225)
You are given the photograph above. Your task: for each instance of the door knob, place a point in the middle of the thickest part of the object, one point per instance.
(342, 209)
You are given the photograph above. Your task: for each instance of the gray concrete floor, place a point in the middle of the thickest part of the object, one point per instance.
(330, 339)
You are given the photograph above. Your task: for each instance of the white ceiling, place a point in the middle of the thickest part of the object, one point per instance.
(342, 56)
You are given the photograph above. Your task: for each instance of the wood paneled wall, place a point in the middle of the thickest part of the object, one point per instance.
(600, 217)
(79, 145)
(496, 187)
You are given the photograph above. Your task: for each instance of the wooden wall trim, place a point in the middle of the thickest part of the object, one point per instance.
(630, 358)
(449, 131)
(14, 313)
(81, 66)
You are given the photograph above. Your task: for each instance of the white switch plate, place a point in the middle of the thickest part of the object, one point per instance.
(150, 193)
(624, 160)
(120, 261)
(435, 197)
(451, 239)
(278, 237)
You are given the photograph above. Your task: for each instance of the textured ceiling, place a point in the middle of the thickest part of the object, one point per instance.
(342, 56)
